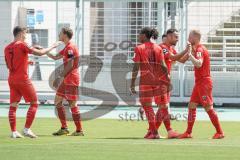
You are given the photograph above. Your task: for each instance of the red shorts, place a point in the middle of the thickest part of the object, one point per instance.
(147, 93)
(23, 89)
(202, 94)
(69, 92)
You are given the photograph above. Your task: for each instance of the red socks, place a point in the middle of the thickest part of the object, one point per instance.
(163, 115)
(151, 117)
(158, 118)
(166, 118)
(62, 116)
(76, 118)
(31, 115)
(12, 118)
(191, 119)
(215, 121)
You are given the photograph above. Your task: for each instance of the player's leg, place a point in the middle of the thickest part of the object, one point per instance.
(146, 96)
(29, 94)
(207, 102)
(61, 115)
(215, 121)
(150, 115)
(162, 100)
(12, 120)
(164, 116)
(76, 118)
(192, 109)
(15, 97)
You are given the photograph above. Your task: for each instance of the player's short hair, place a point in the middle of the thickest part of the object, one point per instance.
(196, 33)
(164, 35)
(68, 31)
(18, 29)
(171, 30)
(150, 32)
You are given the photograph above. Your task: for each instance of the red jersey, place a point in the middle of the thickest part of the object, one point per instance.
(149, 55)
(16, 56)
(167, 50)
(70, 52)
(202, 73)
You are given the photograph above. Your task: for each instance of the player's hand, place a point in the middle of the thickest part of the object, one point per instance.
(132, 90)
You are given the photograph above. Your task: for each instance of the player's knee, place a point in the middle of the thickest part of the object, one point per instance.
(58, 104)
(146, 104)
(192, 105)
(208, 107)
(33, 102)
(163, 106)
(14, 104)
(72, 103)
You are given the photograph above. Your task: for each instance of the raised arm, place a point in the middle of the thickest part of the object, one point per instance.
(197, 62)
(178, 56)
(184, 58)
(55, 57)
(39, 52)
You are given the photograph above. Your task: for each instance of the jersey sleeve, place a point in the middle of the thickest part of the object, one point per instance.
(136, 57)
(61, 52)
(26, 48)
(161, 54)
(174, 51)
(166, 53)
(70, 53)
(199, 53)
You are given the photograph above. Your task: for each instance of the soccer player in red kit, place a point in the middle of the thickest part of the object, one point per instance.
(67, 83)
(170, 56)
(149, 59)
(16, 57)
(202, 91)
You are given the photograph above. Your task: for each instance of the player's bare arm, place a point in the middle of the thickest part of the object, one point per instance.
(68, 68)
(41, 52)
(184, 58)
(165, 69)
(178, 56)
(134, 77)
(55, 57)
(196, 62)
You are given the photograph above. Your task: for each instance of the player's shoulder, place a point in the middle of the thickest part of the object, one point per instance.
(8, 46)
(201, 48)
(72, 47)
(164, 48)
(156, 46)
(162, 45)
(139, 47)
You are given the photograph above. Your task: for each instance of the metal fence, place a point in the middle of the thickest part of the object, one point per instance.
(108, 29)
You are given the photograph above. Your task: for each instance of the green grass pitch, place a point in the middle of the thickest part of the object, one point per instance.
(115, 139)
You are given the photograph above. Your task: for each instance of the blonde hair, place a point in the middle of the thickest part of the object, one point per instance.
(196, 33)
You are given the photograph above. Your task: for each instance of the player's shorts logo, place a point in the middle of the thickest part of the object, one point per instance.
(204, 98)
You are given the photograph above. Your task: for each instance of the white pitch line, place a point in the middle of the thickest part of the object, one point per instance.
(129, 143)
